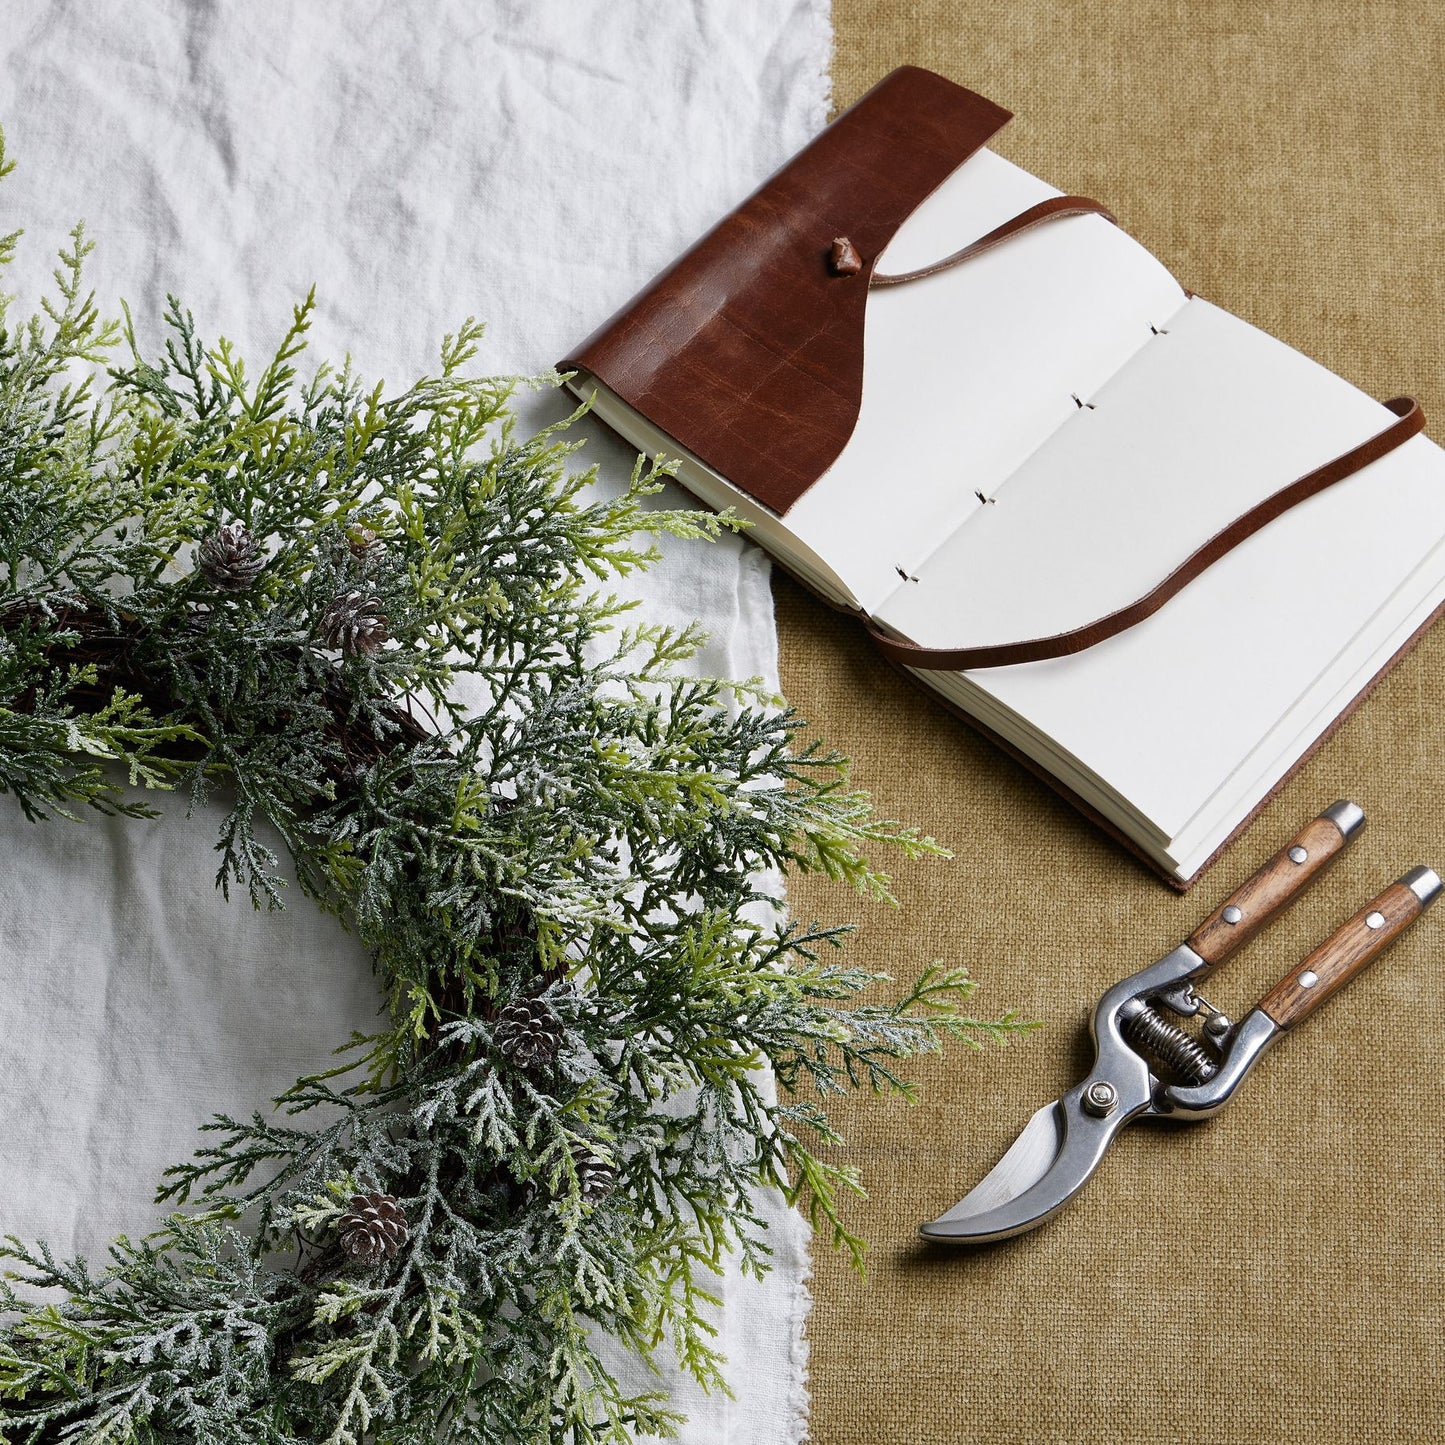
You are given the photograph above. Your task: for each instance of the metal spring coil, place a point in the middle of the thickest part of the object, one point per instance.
(1173, 1047)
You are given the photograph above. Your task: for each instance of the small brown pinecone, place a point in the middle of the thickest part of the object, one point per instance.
(230, 557)
(373, 1229)
(363, 543)
(354, 623)
(528, 1033)
(596, 1178)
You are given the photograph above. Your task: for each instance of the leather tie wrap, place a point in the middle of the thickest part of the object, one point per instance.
(1410, 421)
(1054, 209)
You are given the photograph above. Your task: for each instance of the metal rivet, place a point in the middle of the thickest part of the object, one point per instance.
(1309, 978)
(1298, 854)
(1217, 1026)
(1232, 914)
(1100, 1098)
(1375, 920)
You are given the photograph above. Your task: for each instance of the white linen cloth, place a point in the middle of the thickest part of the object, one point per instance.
(529, 163)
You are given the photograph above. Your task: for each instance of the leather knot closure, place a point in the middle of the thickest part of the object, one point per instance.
(843, 258)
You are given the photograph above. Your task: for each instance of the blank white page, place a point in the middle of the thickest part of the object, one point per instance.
(1167, 711)
(1204, 422)
(1368, 653)
(967, 372)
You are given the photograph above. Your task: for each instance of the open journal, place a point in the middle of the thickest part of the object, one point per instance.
(1021, 444)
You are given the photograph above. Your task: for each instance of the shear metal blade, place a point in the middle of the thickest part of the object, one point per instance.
(1050, 1161)
(1027, 1161)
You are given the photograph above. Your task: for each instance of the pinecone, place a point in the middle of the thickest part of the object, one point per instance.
(363, 544)
(596, 1178)
(373, 1229)
(230, 557)
(354, 623)
(529, 1033)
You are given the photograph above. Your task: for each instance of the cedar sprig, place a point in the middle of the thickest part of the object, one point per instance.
(517, 793)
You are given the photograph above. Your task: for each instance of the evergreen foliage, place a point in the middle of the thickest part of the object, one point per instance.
(267, 591)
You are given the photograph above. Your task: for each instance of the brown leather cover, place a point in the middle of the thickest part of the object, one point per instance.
(748, 350)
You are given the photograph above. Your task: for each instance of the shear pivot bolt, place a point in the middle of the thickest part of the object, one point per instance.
(1298, 854)
(1100, 1098)
(1232, 914)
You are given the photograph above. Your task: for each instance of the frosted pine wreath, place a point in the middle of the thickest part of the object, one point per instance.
(266, 592)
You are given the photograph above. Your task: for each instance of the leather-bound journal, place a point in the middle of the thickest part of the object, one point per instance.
(1152, 551)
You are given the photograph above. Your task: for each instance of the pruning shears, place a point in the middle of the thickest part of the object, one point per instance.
(1147, 1065)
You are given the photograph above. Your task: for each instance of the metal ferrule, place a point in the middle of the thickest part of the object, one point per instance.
(1250, 1042)
(1424, 883)
(1347, 817)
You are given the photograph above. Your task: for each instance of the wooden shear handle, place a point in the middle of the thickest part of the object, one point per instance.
(1350, 948)
(1280, 881)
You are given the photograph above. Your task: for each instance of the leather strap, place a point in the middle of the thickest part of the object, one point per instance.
(1411, 420)
(1055, 208)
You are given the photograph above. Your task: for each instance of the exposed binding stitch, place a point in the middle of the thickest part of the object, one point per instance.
(1409, 421)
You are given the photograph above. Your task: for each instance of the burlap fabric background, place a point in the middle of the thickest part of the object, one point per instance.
(1276, 1274)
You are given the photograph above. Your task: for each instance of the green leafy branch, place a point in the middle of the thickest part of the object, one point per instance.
(380, 626)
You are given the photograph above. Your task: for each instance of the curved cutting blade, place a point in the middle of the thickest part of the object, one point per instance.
(1050, 1161)
(1026, 1162)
